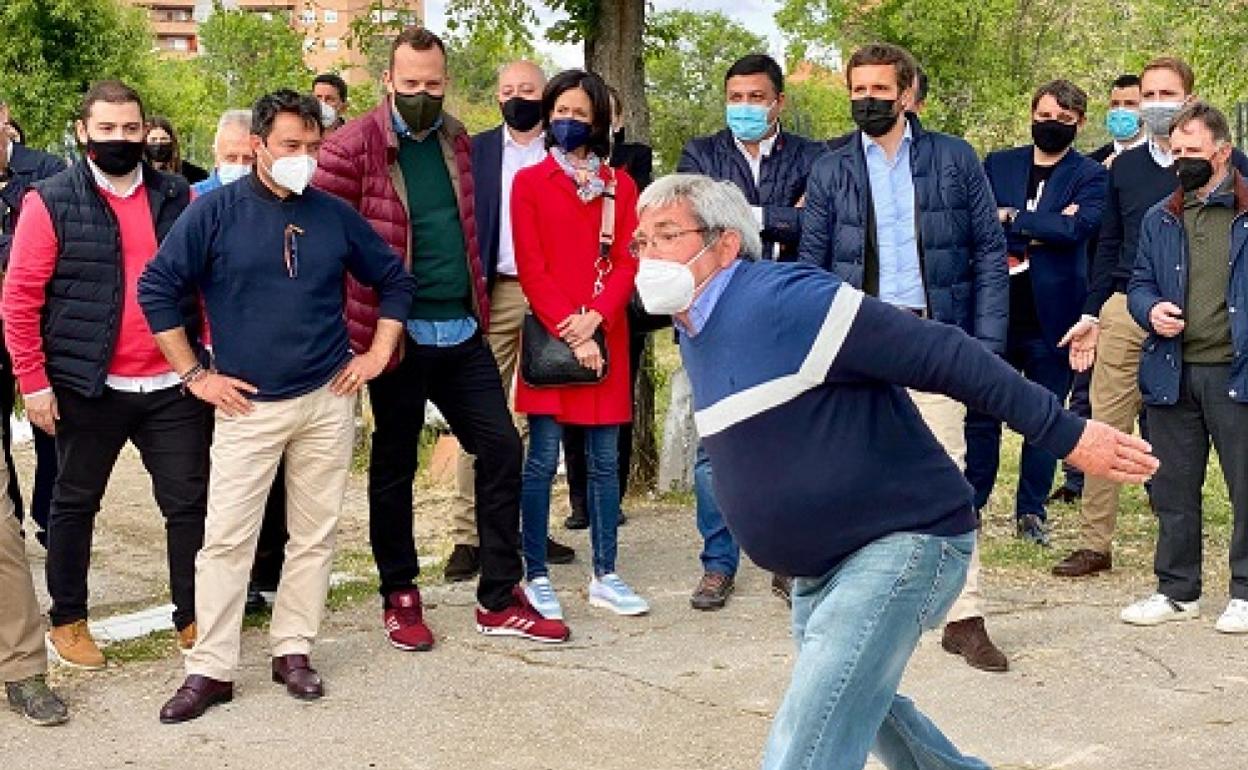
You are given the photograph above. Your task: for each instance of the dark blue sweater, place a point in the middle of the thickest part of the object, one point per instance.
(818, 450)
(287, 336)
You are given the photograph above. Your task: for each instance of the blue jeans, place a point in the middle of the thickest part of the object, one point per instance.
(856, 628)
(1048, 367)
(719, 551)
(540, 466)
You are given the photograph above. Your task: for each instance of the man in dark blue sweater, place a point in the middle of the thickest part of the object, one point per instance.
(269, 258)
(861, 503)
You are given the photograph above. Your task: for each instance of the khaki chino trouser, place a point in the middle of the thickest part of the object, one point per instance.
(946, 419)
(316, 434)
(507, 309)
(22, 653)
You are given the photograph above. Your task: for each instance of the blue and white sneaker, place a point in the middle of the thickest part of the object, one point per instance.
(541, 594)
(612, 593)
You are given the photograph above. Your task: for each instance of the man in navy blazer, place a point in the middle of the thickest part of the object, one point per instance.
(1050, 200)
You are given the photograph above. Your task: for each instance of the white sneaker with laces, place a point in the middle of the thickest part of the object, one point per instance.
(541, 594)
(612, 593)
(1158, 609)
(1235, 619)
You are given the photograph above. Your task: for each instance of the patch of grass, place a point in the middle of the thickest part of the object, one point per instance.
(155, 646)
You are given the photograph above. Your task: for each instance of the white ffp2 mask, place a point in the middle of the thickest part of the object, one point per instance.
(667, 287)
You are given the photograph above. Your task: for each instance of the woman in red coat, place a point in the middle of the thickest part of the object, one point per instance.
(556, 217)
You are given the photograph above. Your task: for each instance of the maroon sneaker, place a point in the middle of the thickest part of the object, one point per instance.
(520, 619)
(404, 620)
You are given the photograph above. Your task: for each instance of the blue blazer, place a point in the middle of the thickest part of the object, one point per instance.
(26, 166)
(1056, 244)
(487, 190)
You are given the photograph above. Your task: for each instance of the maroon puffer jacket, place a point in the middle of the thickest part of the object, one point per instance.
(360, 164)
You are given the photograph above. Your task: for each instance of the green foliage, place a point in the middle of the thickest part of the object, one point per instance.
(246, 56)
(687, 55)
(51, 50)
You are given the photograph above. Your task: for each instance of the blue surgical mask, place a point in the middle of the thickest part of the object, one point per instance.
(748, 122)
(1122, 123)
(229, 173)
(570, 134)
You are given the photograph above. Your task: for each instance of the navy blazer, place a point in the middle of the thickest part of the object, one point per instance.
(1056, 244)
(487, 190)
(26, 166)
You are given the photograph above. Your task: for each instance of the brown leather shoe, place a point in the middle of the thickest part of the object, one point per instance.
(297, 674)
(187, 636)
(73, 646)
(969, 639)
(712, 591)
(1082, 563)
(194, 697)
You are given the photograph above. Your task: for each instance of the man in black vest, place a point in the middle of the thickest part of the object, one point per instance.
(88, 365)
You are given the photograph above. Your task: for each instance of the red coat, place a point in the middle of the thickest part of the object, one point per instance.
(360, 164)
(556, 241)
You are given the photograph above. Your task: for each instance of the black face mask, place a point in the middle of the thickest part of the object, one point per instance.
(160, 152)
(1052, 136)
(617, 136)
(522, 114)
(876, 117)
(115, 157)
(420, 111)
(1193, 173)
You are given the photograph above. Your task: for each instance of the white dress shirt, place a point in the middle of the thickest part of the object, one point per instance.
(516, 156)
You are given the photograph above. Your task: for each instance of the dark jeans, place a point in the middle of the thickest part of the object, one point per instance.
(45, 458)
(1180, 435)
(604, 494)
(463, 382)
(1081, 404)
(266, 569)
(1048, 367)
(720, 552)
(574, 455)
(172, 433)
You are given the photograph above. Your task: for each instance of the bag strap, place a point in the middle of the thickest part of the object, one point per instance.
(606, 235)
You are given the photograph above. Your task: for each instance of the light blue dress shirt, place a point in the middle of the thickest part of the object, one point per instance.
(896, 226)
(704, 303)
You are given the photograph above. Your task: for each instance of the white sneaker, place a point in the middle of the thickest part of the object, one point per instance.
(541, 594)
(1235, 619)
(612, 593)
(1158, 609)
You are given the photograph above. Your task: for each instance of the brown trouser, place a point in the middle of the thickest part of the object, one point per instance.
(1115, 400)
(22, 652)
(507, 309)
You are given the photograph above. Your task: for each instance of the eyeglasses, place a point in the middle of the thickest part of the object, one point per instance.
(291, 250)
(660, 241)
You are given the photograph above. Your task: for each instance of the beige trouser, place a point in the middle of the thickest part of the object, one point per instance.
(316, 433)
(946, 419)
(507, 308)
(1116, 400)
(22, 652)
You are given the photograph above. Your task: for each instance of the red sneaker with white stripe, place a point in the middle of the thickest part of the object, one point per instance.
(520, 619)
(405, 623)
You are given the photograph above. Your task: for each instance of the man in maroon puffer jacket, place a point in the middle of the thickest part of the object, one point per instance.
(406, 168)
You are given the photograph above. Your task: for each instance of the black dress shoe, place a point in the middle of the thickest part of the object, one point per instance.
(297, 674)
(464, 563)
(558, 553)
(194, 697)
(1065, 495)
(577, 520)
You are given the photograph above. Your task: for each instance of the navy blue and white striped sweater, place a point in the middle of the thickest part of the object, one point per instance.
(798, 390)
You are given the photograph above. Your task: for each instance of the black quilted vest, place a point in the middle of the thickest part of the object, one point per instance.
(82, 314)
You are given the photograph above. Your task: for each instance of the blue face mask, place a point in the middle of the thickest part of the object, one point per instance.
(1122, 123)
(748, 122)
(570, 134)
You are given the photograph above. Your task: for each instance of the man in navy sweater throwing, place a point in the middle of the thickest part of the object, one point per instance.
(861, 504)
(269, 257)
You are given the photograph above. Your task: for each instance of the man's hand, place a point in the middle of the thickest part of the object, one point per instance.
(579, 328)
(359, 370)
(1109, 453)
(41, 411)
(1167, 319)
(1082, 339)
(1070, 210)
(589, 356)
(225, 393)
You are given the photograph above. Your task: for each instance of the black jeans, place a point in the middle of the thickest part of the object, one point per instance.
(574, 457)
(172, 433)
(45, 457)
(463, 382)
(266, 569)
(1180, 435)
(1080, 404)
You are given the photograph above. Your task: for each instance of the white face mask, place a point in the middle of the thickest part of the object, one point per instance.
(229, 173)
(329, 115)
(294, 172)
(666, 287)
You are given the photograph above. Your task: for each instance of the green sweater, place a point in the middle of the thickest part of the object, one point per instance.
(439, 252)
(1207, 225)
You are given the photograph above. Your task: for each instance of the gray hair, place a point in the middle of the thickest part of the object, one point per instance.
(239, 118)
(717, 206)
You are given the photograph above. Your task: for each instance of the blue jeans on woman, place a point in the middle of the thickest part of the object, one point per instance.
(540, 466)
(856, 628)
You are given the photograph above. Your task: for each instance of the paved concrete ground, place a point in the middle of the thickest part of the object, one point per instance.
(670, 691)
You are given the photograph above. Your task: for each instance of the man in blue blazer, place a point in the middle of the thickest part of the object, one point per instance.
(1050, 200)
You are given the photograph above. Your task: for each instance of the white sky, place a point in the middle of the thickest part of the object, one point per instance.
(756, 15)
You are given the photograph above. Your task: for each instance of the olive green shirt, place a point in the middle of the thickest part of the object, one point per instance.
(1207, 226)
